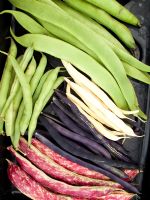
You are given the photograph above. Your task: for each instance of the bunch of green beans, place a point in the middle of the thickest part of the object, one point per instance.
(108, 57)
(19, 111)
(69, 31)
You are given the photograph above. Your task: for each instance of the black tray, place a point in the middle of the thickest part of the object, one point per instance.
(138, 148)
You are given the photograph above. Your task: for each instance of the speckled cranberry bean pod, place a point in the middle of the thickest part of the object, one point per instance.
(23, 182)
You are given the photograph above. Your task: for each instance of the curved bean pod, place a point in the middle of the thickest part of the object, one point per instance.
(6, 82)
(39, 86)
(27, 22)
(71, 54)
(136, 73)
(6, 76)
(117, 10)
(66, 36)
(24, 63)
(90, 23)
(105, 19)
(28, 186)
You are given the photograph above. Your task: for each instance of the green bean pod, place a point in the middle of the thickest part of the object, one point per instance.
(71, 54)
(6, 76)
(15, 138)
(34, 27)
(19, 58)
(26, 22)
(17, 100)
(23, 64)
(40, 85)
(33, 84)
(65, 36)
(136, 73)
(9, 122)
(117, 10)
(6, 83)
(104, 19)
(24, 126)
(57, 83)
(27, 96)
(46, 89)
(86, 21)
(39, 73)
(89, 23)
(131, 60)
(87, 37)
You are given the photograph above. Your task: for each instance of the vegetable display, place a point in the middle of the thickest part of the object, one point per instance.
(105, 55)
(67, 122)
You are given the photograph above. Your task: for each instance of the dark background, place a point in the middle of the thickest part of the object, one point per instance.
(5, 21)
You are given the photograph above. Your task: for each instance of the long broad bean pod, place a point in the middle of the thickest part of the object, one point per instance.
(90, 23)
(67, 52)
(116, 10)
(26, 22)
(66, 36)
(136, 73)
(104, 19)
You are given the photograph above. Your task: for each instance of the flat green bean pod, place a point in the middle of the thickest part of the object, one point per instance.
(104, 19)
(27, 22)
(65, 36)
(136, 73)
(130, 59)
(87, 37)
(71, 54)
(89, 23)
(117, 10)
(32, 26)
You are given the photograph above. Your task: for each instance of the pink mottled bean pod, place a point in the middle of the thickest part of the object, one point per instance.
(46, 166)
(132, 173)
(67, 163)
(25, 184)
